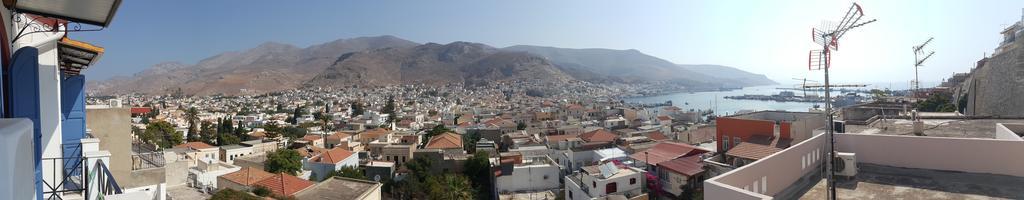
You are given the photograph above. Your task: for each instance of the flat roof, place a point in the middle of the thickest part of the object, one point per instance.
(957, 128)
(885, 182)
(339, 188)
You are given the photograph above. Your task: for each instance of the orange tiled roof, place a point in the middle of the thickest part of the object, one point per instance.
(247, 176)
(666, 151)
(657, 136)
(374, 133)
(332, 156)
(600, 135)
(311, 138)
(338, 136)
(282, 184)
(311, 151)
(758, 147)
(447, 140)
(195, 145)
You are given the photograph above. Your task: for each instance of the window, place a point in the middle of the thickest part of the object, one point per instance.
(570, 195)
(632, 181)
(611, 188)
(593, 184)
(736, 140)
(725, 143)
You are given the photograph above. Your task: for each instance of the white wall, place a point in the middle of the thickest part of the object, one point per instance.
(528, 178)
(939, 153)
(16, 145)
(769, 175)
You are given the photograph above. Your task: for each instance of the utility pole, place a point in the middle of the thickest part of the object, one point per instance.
(828, 38)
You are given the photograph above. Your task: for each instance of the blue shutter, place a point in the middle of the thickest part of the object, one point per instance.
(72, 100)
(25, 101)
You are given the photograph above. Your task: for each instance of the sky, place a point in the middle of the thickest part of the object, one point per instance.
(766, 37)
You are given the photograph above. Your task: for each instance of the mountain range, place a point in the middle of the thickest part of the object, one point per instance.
(389, 60)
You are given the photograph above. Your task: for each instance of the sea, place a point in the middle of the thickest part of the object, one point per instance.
(717, 102)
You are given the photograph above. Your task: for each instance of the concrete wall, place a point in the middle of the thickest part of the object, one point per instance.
(938, 153)
(716, 190)
(1009, 131)
(743, 128)
(113, 127)
(804, 128)
(529, 178)
(770, 175)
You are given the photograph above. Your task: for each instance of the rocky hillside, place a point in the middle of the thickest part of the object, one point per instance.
(388, 60)
(432, 63)
(267, 67)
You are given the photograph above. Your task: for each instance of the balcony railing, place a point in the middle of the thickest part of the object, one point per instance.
(64, 180)
(67, 177)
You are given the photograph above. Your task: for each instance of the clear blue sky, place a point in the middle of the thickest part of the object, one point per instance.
(769, 37)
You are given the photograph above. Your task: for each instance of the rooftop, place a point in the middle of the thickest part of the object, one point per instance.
(885, 182)
(284, 184)
(339, 188)
(958, 128)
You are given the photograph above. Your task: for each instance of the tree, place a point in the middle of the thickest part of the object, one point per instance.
(449, 186)
(208, 133)
(347, 172)
(192, 116)
(356, 108)
(241, 133)
(937, 102)
(389, 108)
(228, 139)
(231, 194)
(271, 129)
(326, 120)
(284, 160)
(259, 190)
(280, 108)
(163, 134)
(437, 130)
(521, 126)
(296, 114)
(478, 169)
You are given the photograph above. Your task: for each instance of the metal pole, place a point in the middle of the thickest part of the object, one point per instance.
(830, 145)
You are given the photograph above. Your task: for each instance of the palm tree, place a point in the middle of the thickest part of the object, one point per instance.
(450, 186)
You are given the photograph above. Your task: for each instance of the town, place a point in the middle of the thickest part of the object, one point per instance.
(556, 138)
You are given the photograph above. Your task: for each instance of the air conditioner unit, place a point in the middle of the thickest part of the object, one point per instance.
(846, 164)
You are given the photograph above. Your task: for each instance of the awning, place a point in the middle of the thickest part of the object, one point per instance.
(75, 56)
(95, 12)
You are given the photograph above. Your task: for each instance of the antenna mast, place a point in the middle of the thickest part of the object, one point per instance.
(828, 36)
(919, 58)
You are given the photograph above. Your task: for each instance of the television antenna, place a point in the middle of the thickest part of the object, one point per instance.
(803, 85)
(828, 37)
(918, 62)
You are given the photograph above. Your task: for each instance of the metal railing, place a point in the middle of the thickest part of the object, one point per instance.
(145, 157)
(106, 185)
(68, 181)
(72, 175)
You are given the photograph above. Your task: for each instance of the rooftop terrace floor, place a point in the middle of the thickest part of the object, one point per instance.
(884, 182)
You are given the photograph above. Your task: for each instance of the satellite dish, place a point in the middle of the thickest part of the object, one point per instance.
(376, 177)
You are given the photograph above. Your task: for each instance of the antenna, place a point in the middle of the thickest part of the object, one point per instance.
(803, 86)
(918, 62)
(828, 36)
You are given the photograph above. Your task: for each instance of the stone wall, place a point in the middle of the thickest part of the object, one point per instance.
(997, 88)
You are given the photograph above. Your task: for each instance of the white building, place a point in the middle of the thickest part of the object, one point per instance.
(604, 180)
(329, 161)
(537, 173)
(204, 176)
(228, 153)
